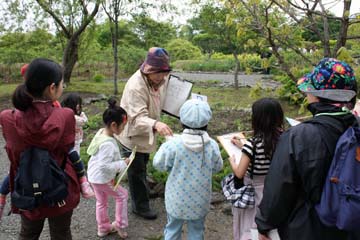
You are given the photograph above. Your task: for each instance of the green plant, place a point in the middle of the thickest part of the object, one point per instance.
(98, 78)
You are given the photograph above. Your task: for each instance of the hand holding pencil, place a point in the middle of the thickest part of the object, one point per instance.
(236, 140)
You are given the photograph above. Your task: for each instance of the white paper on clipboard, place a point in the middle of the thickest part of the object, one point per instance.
(177, 92)
(230, 148)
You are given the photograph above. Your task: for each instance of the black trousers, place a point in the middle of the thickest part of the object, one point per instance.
(59, 227)
(138, 186)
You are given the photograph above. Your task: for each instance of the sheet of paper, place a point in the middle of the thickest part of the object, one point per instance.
(230, 148)
(199, 97)
(292, 121)
(177, 92)
(131, 158)
(273, 234)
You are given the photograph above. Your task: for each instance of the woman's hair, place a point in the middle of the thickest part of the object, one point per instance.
(267, 122)
(71, 100)
(114, 113)
(39, 74)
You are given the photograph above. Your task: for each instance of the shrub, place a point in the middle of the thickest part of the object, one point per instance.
(98, 77)
(180, 49)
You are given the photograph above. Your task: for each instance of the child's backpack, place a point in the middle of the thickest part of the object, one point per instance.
(39, 181)
(340, 200)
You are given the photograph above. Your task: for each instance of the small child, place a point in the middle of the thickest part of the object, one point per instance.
(105, 162)
(190, 159)
(267, 124)
(74, 102)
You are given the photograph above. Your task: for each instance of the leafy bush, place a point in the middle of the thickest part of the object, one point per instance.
(98, 77)
(181, 49)
(221, 63)
(205, 65)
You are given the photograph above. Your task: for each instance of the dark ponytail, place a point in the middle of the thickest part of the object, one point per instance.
(40, 74)
(21, 99)
(114, 113)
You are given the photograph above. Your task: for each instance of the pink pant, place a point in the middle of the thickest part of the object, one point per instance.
(244, 219)
(102, 191)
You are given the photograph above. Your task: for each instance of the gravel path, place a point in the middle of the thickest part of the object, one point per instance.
(218, 224)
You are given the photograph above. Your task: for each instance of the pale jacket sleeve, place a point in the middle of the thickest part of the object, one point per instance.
(164, 158)
(217, 161)
(136, 104)
(82, 119)
(108, 163)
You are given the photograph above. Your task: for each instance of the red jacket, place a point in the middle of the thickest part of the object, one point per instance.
(45, 126)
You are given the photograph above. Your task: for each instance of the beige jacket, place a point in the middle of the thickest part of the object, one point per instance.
(138, 100)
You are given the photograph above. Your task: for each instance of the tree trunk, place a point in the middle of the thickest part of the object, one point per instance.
(70, 56)
(342, 37)
(237, 67)
(115, 49)
(326, 34)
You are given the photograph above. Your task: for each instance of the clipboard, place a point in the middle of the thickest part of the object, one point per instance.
(131, 158)
(230, 148)
(178, 91)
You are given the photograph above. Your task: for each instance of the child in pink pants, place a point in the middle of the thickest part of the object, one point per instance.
(104, 164)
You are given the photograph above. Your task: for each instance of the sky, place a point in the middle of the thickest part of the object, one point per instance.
(186, 11)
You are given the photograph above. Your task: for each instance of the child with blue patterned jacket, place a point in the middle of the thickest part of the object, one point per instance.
(190, 159)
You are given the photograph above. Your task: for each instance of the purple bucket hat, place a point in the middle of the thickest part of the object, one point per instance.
(157, 60)
(331, 79)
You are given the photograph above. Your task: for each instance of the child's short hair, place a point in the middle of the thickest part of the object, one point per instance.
(114, 113)
(72, 100)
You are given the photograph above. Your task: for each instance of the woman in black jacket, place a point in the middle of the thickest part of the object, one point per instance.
(303, 155)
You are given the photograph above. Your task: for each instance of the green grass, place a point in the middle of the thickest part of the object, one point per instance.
(7, 89)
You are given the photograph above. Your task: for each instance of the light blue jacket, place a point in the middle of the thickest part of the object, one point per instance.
(190, 159)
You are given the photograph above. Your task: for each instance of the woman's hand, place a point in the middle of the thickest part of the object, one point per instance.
(163, 129)
(236, 141)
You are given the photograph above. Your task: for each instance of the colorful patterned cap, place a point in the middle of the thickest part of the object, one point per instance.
(157, 60)
(331, 79)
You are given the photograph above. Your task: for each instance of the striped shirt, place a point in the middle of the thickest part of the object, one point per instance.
(256, 155)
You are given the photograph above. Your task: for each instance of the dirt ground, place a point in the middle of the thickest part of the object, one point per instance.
(218, 221)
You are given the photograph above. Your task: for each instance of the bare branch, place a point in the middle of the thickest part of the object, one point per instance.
(56, 18)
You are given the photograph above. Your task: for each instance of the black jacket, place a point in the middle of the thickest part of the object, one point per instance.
(296, 177)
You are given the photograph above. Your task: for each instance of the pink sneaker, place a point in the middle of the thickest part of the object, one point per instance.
(111, 230)
(2, 207)
(121, 231)
(86, 190)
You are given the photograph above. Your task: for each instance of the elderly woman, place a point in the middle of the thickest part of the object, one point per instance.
(142, 99)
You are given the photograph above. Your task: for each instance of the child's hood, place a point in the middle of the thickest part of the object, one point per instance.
(98, 139)
(195, 140)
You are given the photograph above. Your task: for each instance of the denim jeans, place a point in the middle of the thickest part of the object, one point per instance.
(173, 228)
(5, 186)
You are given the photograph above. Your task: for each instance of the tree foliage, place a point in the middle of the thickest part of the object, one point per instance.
(181, 49)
